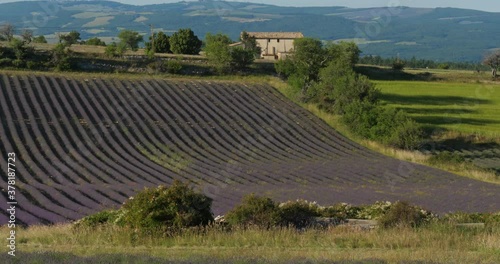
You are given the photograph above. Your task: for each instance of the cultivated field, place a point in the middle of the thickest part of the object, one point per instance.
(84, 144)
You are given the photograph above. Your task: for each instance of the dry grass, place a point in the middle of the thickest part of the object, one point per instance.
(437, 243)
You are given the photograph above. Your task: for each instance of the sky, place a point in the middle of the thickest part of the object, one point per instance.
(485, 5)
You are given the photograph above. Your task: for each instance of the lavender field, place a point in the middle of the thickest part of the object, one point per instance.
(84, 145)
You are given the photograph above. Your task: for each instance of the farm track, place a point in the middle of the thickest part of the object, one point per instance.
(87, 144)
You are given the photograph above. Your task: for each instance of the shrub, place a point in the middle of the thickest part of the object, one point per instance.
(172, 208)
(254, 211)
(32, 65)
(374, 211)
(156, 66)
(398, 65)
(101, 218)
(18, 63)
(298, 214)
(446, 157)
(110, 50)
(386, 125)
(342, 211)
(173, 66)
(5, 62)
(402, 214)
(406, 135)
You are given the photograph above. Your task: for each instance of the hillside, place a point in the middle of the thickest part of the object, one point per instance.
(84, 144)
(439, 34)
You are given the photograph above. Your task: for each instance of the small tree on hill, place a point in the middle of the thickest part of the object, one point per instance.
(218, 51)
(225, 58)
(185, 41)
(40, 39)
(95, 41)
(69, 39)
(493, 60)
(161, 43)
(130, 39)
(347, 51)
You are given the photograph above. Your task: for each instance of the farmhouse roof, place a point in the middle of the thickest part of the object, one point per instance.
(276, 35)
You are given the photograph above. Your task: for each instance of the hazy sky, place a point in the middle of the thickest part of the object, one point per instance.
(486, 5)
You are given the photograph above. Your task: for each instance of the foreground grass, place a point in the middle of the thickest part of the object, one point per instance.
(435, 243)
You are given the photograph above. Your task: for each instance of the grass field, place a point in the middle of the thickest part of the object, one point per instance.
(470, 108)
(438, 243)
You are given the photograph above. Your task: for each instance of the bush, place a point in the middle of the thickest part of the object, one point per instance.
(446, 157)
(398, 65)
(298, 214)
(402, 214)
(18, 63)
(173, 66)
(254, 211)
(374, 211)
(101, 218)
(172, 208)
(406, 135)
(386, 125)
(5, 62)
(340, 86)
(32, 65)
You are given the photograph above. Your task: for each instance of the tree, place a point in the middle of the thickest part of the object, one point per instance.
(347, 51)
(19, 48)
(61, 58)
(493, 60)
(161, 43)
(218, 51)
(7, 32)
(225, 58)
(339, 86)
(39, 39)
(249, 43)
(130, 39)
(303, 67)
(185, 41)
(69, 39)
(95, 41)
(115, 50)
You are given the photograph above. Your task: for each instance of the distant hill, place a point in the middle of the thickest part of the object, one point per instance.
(439, 34)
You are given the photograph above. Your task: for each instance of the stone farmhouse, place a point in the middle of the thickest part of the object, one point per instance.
(274, 45)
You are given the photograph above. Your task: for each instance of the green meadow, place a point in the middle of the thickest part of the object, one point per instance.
(468, 108)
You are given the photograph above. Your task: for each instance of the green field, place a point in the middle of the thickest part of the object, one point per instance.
(469, 108)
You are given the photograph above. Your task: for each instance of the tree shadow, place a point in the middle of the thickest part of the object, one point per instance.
(432, 100)
(384, 74)
(438, 111)
(450, 120)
